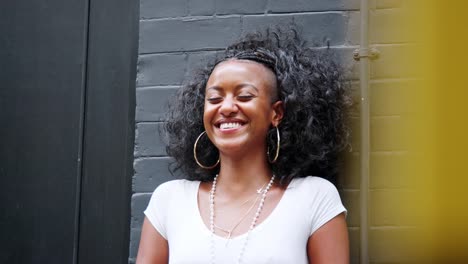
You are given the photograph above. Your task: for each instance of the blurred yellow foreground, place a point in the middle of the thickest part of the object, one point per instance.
(437, 131)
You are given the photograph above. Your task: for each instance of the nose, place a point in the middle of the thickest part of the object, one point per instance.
(228, 107)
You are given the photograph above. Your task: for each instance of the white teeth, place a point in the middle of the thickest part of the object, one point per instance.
(229, 125)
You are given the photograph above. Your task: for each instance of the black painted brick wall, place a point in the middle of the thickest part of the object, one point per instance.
(178, 35)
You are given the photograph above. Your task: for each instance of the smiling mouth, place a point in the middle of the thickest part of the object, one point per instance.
(231, 125)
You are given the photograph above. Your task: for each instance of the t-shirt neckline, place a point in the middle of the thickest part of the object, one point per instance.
(257, 227)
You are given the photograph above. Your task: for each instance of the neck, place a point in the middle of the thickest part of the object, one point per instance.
(241, 176)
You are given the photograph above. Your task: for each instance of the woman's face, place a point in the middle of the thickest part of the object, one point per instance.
(238, 109)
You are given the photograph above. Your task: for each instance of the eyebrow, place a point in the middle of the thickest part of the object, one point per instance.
(240, 86)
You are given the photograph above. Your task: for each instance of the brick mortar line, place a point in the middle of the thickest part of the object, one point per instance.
(378, 117)
(385, 116)
(156, 87)
(391, 152)
(332, 11)
(149, 122)
(402, 79)
(336, 47)
(386, 227)
(142, 87)
(149, 156)
(393, 189)
(388, 150)
(400, 152)
(374, 80)
(141, 121)
(192, 51)
(389, 8)
(141, 193)
(402, 44)
(181, 52)
(190, 18)
(223, 16)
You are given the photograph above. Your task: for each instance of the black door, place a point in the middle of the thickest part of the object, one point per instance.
(67, 71)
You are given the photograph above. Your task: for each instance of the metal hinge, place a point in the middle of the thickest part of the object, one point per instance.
(371, 53)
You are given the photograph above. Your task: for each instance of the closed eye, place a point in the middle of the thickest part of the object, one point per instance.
(245, 98)
(214, 100)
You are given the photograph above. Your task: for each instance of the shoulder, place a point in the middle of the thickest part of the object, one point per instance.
(166, 194)
(174, 186)
(313, 184)
(317, 193)
(321, 199)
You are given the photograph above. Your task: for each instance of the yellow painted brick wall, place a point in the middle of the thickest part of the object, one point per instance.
(391, 189)
(392, 217)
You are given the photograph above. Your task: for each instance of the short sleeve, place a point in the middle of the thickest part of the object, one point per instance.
(326, 204)
(156, 212)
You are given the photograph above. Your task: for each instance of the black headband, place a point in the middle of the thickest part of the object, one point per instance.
(259, 57)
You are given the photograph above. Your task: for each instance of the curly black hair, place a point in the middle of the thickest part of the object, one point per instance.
(310, 83)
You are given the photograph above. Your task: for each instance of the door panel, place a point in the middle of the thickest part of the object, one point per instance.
(67, 99)
(43, 57)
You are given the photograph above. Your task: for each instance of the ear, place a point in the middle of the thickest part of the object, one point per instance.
(278, 113)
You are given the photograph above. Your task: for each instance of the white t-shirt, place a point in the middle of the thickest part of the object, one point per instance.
(306, 205)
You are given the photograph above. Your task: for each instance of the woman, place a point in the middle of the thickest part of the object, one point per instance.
(248, 131)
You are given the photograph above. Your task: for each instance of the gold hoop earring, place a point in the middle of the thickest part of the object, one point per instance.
(195, 154)
(277, 148)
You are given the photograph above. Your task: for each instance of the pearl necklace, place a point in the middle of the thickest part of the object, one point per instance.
(252, 225)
